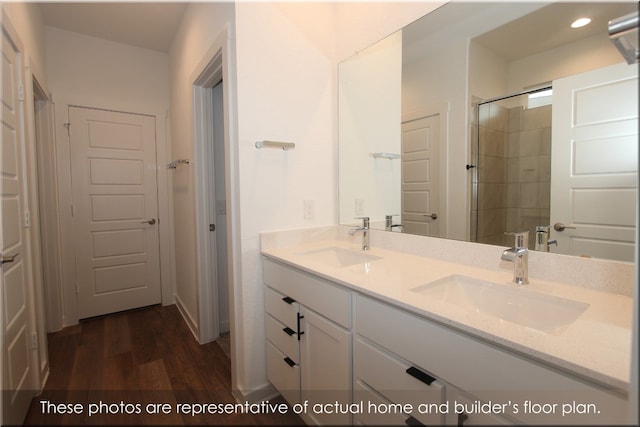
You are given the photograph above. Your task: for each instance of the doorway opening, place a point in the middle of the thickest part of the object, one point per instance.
(212, 189)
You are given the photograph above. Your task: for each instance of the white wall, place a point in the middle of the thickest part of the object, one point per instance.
(286, 92)
(105, 72)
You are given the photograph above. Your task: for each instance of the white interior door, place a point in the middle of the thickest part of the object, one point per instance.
(595, 162)
(115, 210)
(420, 176)
(16, 372)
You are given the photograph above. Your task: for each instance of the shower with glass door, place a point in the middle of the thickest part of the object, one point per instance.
(511, 147)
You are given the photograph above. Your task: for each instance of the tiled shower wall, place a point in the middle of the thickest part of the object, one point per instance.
(512, 180)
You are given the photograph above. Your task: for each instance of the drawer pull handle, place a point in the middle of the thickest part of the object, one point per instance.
(412, 422)
(299, 331)
(289, 331)
(420, 376)
(288, 300)
(290, 362)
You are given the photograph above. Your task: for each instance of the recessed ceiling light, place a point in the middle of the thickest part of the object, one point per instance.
(580, 22)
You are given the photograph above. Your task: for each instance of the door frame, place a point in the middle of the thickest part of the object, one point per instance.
(39, 131)
(69, 315)
(47, 184)
(214, 68)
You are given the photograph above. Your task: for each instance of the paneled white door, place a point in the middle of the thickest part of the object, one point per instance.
(420, 140)
(595, 162)
(115, 210)
(16, 373)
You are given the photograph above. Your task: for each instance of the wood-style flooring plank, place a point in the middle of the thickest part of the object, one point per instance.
(145, 356)
(117, 337)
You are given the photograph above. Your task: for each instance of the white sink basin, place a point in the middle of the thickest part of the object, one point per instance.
(546, 313)
(339, 257)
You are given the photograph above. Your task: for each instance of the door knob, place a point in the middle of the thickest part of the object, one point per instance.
(432, 216)
(558, 226)
(150, 222)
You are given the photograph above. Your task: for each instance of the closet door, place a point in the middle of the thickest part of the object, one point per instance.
(14, 280)
(115, 216)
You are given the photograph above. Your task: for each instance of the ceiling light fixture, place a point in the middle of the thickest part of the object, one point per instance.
(580, 22)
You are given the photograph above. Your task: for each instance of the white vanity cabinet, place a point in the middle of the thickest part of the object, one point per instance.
(308, 329)
(328, 344)
(474, 371)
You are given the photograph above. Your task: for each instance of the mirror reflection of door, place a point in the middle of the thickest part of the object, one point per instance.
(595, 163)
(420, 186)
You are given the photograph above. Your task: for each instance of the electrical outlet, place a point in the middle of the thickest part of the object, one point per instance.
(309, 209)
(359, 207)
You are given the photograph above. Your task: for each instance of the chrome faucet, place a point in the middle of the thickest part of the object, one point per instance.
(389, 225)
(365, 233)
(542, 238)
(519, 256)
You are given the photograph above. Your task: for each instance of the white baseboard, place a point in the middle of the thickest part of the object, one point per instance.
(265, 392)
(193, 326)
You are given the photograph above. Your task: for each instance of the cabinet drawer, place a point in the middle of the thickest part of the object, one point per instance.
(485, 371)
(334, 302)
(471, 419)
(282, 337)
(284, 376)
(276, 306)
(399, 381)
(375, 408)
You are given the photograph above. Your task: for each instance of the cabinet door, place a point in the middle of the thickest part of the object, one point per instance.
(325, 367)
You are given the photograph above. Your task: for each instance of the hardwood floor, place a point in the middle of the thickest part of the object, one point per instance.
(131, 359)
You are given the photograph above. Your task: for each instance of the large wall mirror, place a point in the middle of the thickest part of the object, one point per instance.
(481, 119)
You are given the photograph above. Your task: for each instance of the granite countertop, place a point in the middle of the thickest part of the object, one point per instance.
(596, 346)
